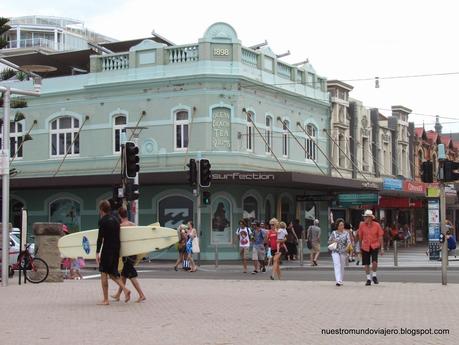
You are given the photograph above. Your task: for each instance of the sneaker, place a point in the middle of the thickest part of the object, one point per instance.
(339, 284)
(254, 272)
(368, 283)
(263, 269)
(375, 280)
(357, 263)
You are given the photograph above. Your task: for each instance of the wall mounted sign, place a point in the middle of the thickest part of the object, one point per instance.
(221, 129)
(392, 184)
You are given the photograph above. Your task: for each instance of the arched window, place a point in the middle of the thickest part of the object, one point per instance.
(420, 160)
(175, 210)
(285, 139)
(119, 122)
(249, 131)
(221, 227)
(250, 208)
(269, 134)
(311, 148)
(268, 210)
(181, 133)
(63, 132)
(342, 147)
(434, 165)
(16, 137)
(66, 211)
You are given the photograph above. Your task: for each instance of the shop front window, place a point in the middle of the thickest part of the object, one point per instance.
(175, 210)
(221, 221)
(66, 211)
(250, 209)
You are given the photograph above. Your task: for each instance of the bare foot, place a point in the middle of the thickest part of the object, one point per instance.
(127, 295)
(115, 297)
(141, 299)
(103, 303)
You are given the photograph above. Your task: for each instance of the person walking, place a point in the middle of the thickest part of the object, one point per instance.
(277, 237)
(128, 271)
(181, 246)
(191, 245)
(258, 251)
(339, 253)
(108, 239)
(313, 236)
(299, 231)
(292, 241)
(244, 233)
(371, 242)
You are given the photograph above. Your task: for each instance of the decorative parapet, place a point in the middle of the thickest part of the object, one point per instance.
(220, 45)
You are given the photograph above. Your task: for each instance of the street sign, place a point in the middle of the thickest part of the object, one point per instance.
(358, 199)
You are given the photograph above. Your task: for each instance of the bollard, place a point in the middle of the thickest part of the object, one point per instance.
(395, 254)
(216, 255)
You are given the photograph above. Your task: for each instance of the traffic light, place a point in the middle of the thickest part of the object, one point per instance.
(204, 173)
(132, 191)
(450, 171)
(427, 172)
(205, 198)
(132, 159)
(192, 172)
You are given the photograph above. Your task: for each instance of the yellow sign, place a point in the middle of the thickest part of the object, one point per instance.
(433, 192)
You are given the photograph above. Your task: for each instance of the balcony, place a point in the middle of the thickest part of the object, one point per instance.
(33, 43)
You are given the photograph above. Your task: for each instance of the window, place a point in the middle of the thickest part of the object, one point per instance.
(181, 130)
(285, 139)
(341, 143)
(119, 122)
(365, 154)
(250, 209)
(66, 211)
(420, 159)
(311, 148)
(269, 134)
(16, 137)
(249, 132)
(63, 133)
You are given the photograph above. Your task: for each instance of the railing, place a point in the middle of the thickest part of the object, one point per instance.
(249, 57)
(284, 70)
(31, 43)
(115, 62)
(179, 54)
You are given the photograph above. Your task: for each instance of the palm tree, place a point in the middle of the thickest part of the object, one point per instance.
(4, 27)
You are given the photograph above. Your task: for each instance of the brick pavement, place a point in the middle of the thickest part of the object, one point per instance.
(181, 311)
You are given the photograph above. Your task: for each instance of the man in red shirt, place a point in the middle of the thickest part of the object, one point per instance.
(371, 240)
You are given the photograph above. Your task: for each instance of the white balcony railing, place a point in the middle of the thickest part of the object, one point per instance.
(33, 43)
(180, 54)
(115, 62)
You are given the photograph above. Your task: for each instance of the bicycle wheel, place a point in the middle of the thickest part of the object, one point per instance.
(37, 270)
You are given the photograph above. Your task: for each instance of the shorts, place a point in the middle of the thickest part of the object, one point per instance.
(109, 263)
(373, 253)
(129, 271)
(258, 252)
(315, 247)
(244, 253)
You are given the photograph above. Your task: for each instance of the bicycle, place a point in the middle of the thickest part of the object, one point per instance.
(35, 270)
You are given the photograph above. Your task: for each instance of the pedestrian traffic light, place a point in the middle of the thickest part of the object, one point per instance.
(132, 191)
(427, 172)
(192, 173)
(205, 198)
(450, 172)
(131, 159)
(204, 173)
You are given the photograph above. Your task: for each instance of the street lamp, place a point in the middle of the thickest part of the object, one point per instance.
(5, 168)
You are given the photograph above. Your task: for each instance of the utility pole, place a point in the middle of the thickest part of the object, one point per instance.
(443, 241)
(5, 170)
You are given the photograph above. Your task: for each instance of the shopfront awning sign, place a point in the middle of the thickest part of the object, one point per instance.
(392, 184)
(414, 187)
(357, 199)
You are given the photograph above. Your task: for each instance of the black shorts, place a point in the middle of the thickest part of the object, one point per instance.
(129, 270)
(109, 263)
(373, 253)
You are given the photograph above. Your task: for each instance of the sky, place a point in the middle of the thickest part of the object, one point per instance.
(343, 39)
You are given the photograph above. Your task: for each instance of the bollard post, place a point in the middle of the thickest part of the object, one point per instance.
(216, 255)
(395, 253)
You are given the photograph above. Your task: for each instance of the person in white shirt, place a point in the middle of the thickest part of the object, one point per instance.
(244, 233)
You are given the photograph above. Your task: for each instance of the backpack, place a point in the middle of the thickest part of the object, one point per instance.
(451, 243)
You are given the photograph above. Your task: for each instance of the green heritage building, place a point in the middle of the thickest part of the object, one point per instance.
(259, 121)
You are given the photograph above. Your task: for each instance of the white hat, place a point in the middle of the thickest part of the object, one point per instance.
(368, 213)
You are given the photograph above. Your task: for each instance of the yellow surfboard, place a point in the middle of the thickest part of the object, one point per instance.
(134, 240)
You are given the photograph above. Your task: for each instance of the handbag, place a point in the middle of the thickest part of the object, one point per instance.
(309, 244)
(195, 245)
(333, 246)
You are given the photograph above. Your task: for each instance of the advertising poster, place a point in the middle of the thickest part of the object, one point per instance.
(221, 222)
(433, 214)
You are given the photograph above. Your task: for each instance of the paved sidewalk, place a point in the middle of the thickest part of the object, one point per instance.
(227, 312)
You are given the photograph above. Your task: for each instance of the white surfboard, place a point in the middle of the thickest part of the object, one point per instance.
(134, 240)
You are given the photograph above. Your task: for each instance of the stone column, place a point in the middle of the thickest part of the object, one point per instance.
(46, 237)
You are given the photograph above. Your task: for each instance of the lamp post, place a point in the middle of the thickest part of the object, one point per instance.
(5, 159)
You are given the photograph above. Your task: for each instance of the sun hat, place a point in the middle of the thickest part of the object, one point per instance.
(368, 213)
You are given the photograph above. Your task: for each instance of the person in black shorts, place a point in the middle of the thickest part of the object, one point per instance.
(128, 271)
(108, 240)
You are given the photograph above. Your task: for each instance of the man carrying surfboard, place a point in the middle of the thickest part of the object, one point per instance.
(108, 240)
(129, 271)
